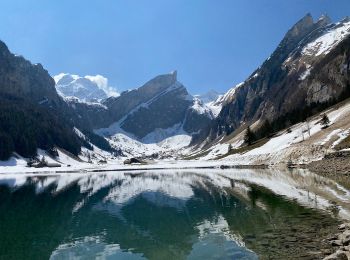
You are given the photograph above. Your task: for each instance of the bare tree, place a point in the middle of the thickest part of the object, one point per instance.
(308, 127)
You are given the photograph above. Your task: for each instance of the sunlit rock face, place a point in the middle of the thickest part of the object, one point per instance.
(310, 65)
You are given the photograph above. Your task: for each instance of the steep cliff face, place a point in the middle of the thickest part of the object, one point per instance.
(33, 115)
(163, 111)
(20, 78)
(30, 109)
(310, 65)
(129, 100)
(161, 103)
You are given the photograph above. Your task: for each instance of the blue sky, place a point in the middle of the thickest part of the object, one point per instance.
(214, 44)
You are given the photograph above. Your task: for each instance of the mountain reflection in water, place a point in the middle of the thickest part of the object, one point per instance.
(223, 214)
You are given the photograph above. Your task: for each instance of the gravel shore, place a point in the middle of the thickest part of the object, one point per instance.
(333, 164)
(336, 166)
(341, 242)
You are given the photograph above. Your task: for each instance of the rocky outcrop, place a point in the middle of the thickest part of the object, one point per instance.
(20, 78)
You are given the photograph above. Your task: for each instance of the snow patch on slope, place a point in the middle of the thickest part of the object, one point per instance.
(199, 107)
(160, 141)
(215, 106)
(306, 73)
(324, 44)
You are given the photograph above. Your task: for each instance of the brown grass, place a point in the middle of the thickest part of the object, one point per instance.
(246, 148)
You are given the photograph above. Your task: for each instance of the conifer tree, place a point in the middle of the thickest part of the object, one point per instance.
(249, 137)
(325, 120)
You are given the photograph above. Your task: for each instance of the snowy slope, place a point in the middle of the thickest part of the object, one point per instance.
(213, 101)
(163, 142)
(117, 126)
(160, 141)
(330, 38)
(201, 108)
(302, 143)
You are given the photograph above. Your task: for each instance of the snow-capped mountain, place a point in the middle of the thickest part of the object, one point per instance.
(310, 66)
(309, 70)
(160, 112)
(88, 88)
(210, 100)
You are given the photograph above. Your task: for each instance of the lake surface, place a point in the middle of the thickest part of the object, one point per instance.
(200, 214)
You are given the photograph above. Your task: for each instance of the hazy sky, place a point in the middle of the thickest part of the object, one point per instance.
(213, 44)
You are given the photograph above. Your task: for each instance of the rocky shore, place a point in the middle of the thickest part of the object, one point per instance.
(341, 242)
(333, 164)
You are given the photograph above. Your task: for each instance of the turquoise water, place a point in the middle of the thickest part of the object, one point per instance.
(236, 214)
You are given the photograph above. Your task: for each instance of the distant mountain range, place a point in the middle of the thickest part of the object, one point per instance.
(308, 71)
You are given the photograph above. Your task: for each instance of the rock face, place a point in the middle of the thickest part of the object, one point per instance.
(32, 114)
(161, 103)
(130, 100)
(310, 65)
(164, 111)
(20, 78)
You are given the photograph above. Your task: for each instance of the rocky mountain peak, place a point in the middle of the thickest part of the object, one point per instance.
(304, 69)
(324, 20)
(174, 73)
(3, 49)
(158, 84)
(303, 25)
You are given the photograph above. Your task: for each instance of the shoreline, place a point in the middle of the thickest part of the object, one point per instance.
(340, 242)
(334, 164)
(168, 165)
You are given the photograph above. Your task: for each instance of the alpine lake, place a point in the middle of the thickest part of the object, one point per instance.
(170, 214)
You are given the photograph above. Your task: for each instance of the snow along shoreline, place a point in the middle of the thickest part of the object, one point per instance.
(119, 167)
